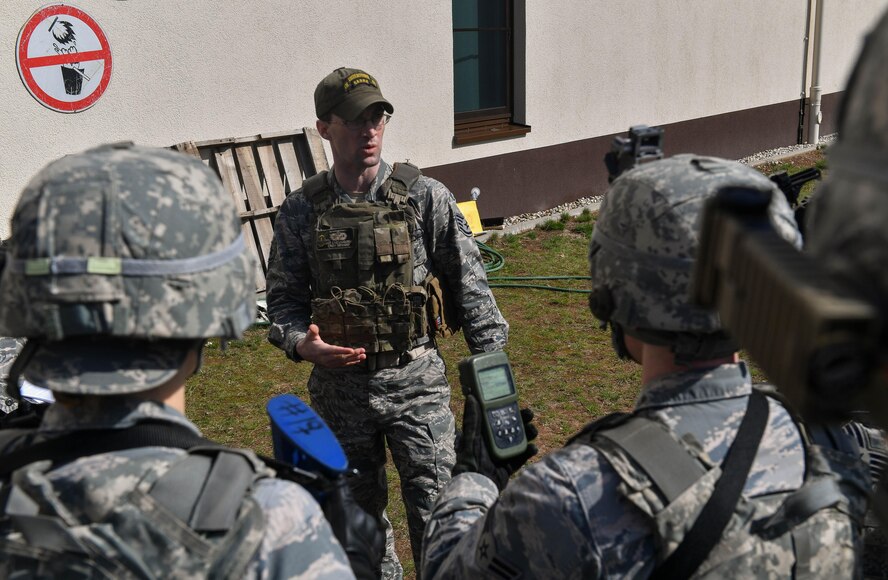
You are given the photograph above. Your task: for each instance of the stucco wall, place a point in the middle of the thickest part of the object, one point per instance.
(204, 69)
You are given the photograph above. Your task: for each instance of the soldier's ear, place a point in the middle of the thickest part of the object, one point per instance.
(323, 128)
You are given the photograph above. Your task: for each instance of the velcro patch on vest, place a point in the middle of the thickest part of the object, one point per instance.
(336, 239)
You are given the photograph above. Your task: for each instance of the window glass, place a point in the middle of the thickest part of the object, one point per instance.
(479, 13)
(480, 64)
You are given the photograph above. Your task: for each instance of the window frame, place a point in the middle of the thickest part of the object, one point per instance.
(498, 122)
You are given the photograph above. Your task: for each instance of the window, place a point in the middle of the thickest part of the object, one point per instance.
(484, 56)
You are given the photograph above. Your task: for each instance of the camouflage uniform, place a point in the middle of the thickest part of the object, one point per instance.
(296, 542)
(123, 260)
(9, 348)
(406, 406)
(846, 224)
(567, 516)
(589, 510)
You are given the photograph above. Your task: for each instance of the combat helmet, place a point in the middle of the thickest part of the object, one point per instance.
(120, 255)
(644, 245)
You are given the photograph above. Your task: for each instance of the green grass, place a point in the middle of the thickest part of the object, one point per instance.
(552, 226)
(562, 362)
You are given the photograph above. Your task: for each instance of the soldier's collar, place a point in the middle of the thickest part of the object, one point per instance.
(381, 175)
(697, 386)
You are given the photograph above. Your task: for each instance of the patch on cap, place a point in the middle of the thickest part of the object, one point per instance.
(357, 79)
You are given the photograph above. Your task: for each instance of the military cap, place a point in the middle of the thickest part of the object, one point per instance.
(347, 92)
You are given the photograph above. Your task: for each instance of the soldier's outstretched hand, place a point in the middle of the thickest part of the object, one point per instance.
(313, 349)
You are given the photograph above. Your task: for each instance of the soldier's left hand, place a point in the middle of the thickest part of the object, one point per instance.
(472, 454)
(313, 349)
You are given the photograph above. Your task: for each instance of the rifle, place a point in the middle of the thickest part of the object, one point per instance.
(306, 451)
(817, 341)
(791, 186)
(643, 144)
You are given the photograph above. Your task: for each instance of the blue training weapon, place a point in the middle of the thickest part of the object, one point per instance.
(312, 453)
(304, 442)
(302, 439)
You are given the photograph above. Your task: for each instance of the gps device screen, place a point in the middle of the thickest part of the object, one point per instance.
(495, 383)
(487, 377)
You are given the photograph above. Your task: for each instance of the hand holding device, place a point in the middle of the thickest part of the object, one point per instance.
(495, 433)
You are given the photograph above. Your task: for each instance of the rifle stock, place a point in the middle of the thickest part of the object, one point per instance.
(814, 340)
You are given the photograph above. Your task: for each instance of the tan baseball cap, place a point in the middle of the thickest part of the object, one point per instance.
(347, 92)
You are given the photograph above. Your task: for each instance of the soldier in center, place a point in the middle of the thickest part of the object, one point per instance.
(370, 263)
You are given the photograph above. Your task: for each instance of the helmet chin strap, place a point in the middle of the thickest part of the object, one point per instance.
(18, 366)
(199, 345)
(618, 342)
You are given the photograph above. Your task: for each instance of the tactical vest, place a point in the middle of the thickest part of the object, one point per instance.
(806, 533)
(362, 266)
(198, 519)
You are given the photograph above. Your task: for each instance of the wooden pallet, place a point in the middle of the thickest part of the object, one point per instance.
(259, 172)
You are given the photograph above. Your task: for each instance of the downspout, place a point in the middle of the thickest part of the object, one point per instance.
(806, 55)
(816, 115)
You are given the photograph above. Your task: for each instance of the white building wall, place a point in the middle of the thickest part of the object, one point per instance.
(845, 24)
(205, 69)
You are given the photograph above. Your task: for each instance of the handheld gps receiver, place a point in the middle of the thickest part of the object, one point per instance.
(488, 376)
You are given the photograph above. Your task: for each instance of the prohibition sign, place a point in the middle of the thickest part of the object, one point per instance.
(64, 58)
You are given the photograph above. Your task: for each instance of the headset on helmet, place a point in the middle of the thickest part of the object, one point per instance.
(643, 248)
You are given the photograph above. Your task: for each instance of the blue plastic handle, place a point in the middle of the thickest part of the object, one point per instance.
(301, 437)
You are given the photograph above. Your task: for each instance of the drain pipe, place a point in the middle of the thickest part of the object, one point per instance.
(816, 114)
(806, 59)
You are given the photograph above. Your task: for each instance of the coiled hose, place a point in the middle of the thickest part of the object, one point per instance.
(494, 261)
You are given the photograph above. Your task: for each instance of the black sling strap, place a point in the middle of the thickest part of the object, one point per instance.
(715, 515)
(62, 450)
(65, 449)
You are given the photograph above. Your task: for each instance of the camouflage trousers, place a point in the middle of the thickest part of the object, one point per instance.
(406, 408)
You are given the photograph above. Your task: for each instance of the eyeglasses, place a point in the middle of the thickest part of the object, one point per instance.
(375, 122)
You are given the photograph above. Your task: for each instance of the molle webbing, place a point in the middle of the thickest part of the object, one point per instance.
(362, 267)
(360, 317)
(396, 188)
(318, 191)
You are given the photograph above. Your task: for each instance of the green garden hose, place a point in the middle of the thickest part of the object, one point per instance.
(494, 261)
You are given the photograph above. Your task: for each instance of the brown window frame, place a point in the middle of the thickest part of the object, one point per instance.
(495, 123)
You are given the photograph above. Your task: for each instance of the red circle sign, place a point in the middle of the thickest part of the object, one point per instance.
(64, 58)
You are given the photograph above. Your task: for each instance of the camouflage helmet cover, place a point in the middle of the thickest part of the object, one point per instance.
(124, 242)
(645, 240)
(847, 221)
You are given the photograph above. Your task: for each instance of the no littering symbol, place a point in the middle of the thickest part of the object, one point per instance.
(64, 58)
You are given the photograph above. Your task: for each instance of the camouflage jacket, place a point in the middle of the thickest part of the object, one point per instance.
(442, 243)
(9, 349)
(297, 541)
(571, 514)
